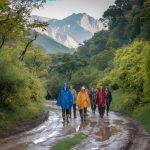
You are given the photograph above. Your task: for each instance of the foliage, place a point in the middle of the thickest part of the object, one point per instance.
(93, 46)
(54, 83)
(14, 19)
(102, 60)
(21, 89)
(85, 76)
(9, 118)
(65, 64)
(18, 84)
(139, 112)
(147, 73)
(37, 60)
(128, 71)
(62, 68)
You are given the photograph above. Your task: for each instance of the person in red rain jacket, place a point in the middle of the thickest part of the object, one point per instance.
(101, 100)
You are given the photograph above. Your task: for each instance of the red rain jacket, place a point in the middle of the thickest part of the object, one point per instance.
(101, 98)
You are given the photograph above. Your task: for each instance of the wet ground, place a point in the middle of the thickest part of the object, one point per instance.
(113, 132)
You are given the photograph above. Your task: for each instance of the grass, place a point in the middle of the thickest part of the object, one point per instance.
(143, 115)
(118, 122)
(10, 119)
(68, 143)
(140, 113)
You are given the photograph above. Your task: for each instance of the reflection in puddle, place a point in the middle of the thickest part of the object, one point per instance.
(81, 126)
(105, 133)
(92, 124)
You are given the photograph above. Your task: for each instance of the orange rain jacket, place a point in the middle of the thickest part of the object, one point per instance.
(83, 100)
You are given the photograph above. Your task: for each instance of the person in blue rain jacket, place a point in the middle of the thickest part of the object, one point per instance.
(65, 101)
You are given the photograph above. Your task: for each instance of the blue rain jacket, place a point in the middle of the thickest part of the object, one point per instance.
(65, 99)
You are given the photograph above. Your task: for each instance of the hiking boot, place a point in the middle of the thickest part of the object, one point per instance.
(82, 119)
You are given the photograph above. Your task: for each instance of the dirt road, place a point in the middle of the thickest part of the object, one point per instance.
(115, 132)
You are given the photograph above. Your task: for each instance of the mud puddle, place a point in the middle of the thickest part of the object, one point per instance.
(105, 133)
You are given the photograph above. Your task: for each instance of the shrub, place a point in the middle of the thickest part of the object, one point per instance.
(18, 84)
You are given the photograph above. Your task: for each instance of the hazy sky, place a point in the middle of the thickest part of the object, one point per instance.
(62, 8)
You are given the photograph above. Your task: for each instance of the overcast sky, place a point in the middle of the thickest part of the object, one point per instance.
(62, 8)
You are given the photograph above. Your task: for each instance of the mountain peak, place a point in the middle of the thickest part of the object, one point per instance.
(80, 15)
(73, 29)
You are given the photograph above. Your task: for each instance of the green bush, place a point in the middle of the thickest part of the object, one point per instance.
(19, 85)
(147, 73)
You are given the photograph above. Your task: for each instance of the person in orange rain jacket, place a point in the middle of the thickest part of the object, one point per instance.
(82, 102)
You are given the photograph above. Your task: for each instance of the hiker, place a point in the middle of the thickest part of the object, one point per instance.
(48, 96)
(65, 101)
(74, 95)
(101, 100)
(108, 99)
(92, 96)
(82, 102)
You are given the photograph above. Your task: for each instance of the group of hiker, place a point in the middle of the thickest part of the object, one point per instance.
(69, 99)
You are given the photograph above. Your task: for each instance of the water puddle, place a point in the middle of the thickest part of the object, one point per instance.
(44, 138)
(82, 126)
(92, 124)
(105, 133)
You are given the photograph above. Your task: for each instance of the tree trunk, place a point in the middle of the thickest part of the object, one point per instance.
(26, 47)
(3, 41)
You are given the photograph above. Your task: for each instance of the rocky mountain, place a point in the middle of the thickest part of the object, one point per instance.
(71, 30)
(74, 29)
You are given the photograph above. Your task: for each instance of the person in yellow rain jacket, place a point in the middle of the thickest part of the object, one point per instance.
(82, 102)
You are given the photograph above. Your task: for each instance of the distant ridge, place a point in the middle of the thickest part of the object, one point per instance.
(72, 30)
(49, 45)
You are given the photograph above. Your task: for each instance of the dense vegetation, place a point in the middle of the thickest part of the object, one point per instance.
(23, 66)
(117, 57)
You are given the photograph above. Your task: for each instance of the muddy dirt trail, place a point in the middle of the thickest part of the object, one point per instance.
(113, 132)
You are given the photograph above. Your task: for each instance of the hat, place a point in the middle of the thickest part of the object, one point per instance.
(82, 88)
(65, 84)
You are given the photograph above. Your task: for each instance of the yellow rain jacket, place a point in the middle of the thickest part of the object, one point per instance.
(82, 100)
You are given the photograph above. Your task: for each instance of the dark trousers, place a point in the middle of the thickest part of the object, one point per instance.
(65, 113)
(107, 107)
(101, 111)
(93, 107)
(83, 113)
(74, 111)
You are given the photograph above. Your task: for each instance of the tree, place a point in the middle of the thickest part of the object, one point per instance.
(123, 4)
(66, 64)
(15, 18)
(111, 14)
